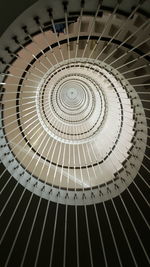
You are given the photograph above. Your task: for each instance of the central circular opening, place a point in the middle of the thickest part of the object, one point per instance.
(72, 93)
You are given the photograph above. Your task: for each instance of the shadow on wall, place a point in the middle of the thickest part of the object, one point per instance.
(7, 16)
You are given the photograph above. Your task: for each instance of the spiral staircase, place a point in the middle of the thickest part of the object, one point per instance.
(74, 134)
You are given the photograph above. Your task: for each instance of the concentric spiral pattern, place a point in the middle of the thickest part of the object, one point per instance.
(81, 115)
(74, 135)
